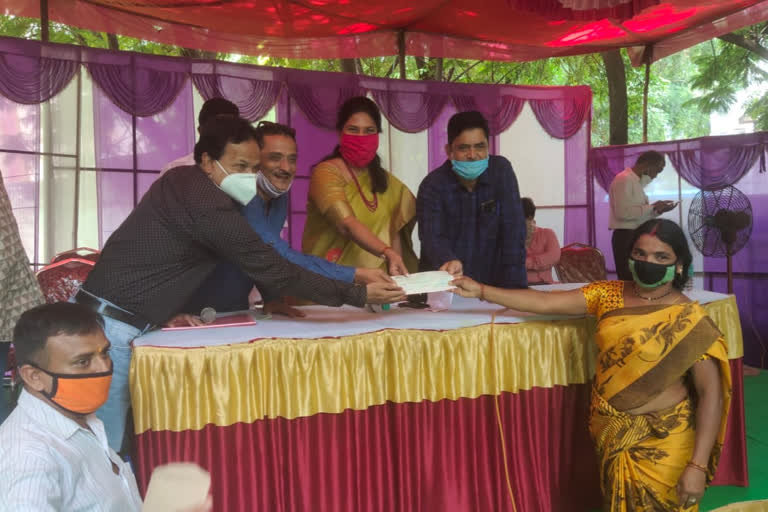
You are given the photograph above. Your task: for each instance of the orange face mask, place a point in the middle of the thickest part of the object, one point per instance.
(79, 393)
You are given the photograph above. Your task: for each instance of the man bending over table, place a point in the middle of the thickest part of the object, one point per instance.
(227, 288)
(187, 223)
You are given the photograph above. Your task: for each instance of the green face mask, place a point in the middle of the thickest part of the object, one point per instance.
(651, 275)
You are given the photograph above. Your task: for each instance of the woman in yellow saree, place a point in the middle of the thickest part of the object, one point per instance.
(358, 214)
(662, 386)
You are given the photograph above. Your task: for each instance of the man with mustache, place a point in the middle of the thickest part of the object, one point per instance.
(228, 287)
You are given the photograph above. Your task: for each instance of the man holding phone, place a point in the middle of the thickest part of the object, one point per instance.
(630, 206)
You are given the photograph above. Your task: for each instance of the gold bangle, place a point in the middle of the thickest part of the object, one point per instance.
(696, 466)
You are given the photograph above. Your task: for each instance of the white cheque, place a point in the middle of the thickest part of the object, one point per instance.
(425, 282)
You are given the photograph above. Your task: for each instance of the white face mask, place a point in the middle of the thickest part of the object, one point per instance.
(272, 191)
(239, 186)
(645, 180)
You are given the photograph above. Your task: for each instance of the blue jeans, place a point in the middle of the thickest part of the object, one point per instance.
(115, 411)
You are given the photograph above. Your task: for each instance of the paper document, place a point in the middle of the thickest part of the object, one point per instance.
(425, 282)
(177, 486)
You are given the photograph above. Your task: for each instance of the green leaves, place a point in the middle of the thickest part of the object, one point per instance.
(731, 64)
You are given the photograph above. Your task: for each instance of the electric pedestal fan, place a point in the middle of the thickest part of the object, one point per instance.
(720, 224)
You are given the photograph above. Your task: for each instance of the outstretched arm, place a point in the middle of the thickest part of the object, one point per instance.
(569, 302)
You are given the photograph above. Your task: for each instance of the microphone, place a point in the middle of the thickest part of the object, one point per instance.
(208, 315)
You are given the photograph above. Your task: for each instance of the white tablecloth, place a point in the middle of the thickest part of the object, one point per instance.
(322, 322)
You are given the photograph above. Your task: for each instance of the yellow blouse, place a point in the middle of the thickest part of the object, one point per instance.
(605, 296)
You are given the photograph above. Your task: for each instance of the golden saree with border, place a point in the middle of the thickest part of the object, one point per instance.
(642, 351)
(337, 197)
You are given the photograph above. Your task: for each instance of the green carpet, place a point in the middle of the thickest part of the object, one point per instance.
(756, 411)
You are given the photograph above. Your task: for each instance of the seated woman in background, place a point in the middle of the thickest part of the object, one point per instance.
(662, 386)
(541, 247)
(358, 214)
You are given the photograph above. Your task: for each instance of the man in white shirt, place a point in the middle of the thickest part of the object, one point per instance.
(54, 455)
(211, 109)
(630, 206)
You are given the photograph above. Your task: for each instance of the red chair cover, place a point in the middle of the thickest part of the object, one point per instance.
(580, 263)
(60, 280)
(85, 253)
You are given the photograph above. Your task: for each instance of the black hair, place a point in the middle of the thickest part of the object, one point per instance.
(220, 131)
(36, 325)
(671, 234)
(651, 158)
(466, 121)
(529, 209)
(267, 128)
(215, 107)
(358, 104)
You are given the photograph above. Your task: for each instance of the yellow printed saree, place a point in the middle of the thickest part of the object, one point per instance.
(333, 196)
(642, 351)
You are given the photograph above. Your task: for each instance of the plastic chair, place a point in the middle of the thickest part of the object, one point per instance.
(580, 263)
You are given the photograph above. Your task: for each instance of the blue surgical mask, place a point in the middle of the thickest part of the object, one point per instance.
(239, 186)
(470, 170)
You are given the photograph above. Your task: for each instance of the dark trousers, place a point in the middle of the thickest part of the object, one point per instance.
(622, 248)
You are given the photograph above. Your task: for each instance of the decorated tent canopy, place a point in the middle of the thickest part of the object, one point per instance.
(473, 29)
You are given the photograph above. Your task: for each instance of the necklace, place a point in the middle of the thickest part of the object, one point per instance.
(649, 299)
(371, 205)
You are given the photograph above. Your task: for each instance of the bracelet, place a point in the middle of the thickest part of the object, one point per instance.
(482, 292)
(696, 466)
(384, 252)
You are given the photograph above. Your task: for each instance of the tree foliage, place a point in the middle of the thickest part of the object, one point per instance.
(730, 64)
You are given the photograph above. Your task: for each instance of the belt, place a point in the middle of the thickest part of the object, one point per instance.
(96, 304)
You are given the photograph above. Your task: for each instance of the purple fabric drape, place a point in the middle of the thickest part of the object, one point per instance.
(578, 198)
(139, 85)
(254, 98)
(708, 163)
(409, 111)
(437, 137)
(144, 85)
(500, 111)
(31, 80)
(207, 85)
(321, 104)
(562, 117)
(716, 168)
(604, 167)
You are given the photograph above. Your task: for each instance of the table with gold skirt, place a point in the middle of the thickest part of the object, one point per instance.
(476, 408)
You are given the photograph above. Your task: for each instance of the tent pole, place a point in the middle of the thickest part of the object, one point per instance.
(401, 52)
(645, 91)
(44, 21)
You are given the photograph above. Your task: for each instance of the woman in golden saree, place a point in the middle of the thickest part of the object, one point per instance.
(662, 386)
(358, 214)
